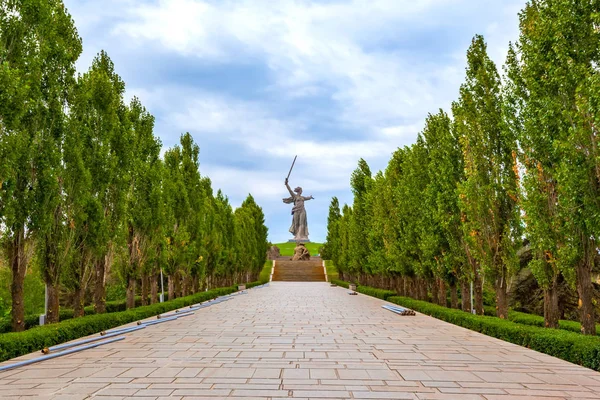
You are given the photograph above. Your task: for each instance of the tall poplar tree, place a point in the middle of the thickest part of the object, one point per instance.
(333, 231)
(445, 171)
(177, 208)
(412, 186)
(360, 183)
(344, 259)
(553, 77)
(489, 193)
(143, 201)
(38, 49)
(102, 119)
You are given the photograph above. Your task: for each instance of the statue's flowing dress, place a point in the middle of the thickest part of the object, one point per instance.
(299, 226)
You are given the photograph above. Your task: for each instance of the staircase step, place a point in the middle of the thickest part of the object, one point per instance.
(299, 271)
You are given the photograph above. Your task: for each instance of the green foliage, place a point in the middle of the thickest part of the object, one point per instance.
(265, 274)
(442, 237)
(554, 88)
(332, 272)
(488, 195)
(568, 346)
(332, 246)
(115, 291)
(358, 250)
(84, 193)
(536, 320)
(341, 283)
(374, 292)
(369, 291)
(39, 46)
(453, 209)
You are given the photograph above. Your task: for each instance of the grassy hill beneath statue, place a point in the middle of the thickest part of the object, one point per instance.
(287, 249)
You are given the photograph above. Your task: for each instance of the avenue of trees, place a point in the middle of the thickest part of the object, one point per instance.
(84, 191)
(515, 165)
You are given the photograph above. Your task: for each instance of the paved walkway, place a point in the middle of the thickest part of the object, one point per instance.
(303, 341)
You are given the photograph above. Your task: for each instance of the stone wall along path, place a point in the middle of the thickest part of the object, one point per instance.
(303, 341)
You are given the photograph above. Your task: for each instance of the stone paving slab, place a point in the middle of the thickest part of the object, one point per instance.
(302, 341)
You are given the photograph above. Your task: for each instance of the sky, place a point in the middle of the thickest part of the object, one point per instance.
(258, 82)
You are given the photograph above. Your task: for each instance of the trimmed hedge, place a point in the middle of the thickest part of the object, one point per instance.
(340, 283)
(569, 346)
(537, 320)
(369, 291)
(16, 344)
(379, 293)
(33, 320)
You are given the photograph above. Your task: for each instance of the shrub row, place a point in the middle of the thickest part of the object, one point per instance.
(340, 283)
(16, 344)
(369, 291)
(537, 320)
(569, 346)
(33, 320)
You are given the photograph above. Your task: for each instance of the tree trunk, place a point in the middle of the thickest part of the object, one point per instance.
(154, 288)
(551, 312)
(79, 304)
(16, 253)
(171, 285)
(442, 294)
(478, 289)
(465, 294)
(131, 293)
(585, 291)
(184, 286)
(501, 287)
(145, 287)
(179, 285)
(422, 287)
(434, 290)
(400, 286)
(100, 289)
(453, 296)
(52, 315)
(195, 284)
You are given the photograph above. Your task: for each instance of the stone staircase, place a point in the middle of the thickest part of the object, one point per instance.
(299, 271)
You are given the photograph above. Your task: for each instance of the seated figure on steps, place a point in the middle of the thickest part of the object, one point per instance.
(301, 253)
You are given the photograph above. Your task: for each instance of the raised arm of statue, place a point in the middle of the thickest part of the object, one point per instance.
(289, 189)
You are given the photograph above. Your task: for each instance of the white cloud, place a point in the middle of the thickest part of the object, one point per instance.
(251, 125)
(307, 46)
(368, 57)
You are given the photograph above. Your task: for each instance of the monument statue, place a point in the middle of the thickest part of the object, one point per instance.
(301, 253)
(299, 226)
